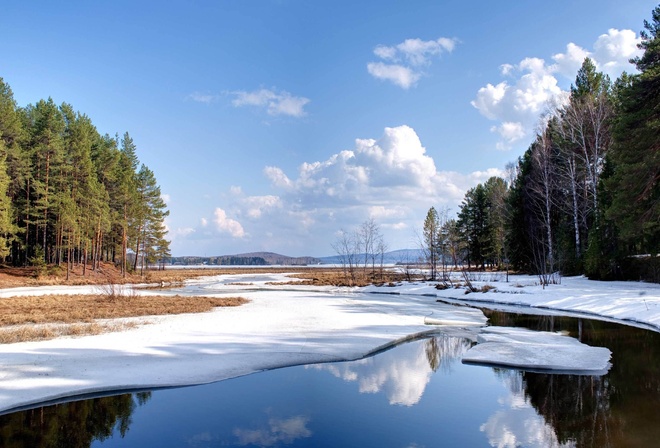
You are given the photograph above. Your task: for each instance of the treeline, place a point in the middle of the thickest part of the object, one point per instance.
(69, 195)
(225, 260)
(585, 196)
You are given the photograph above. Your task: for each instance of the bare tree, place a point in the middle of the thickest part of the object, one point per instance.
(586, 124)
(367, 234)
(345, 247)
(542, 189)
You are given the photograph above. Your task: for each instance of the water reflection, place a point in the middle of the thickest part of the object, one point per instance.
(277, 431)
(76, 424)
(403, 373)
(619, 409)
(518, 423)
(416, 394)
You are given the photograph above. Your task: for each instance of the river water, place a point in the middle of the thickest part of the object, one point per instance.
(417, 394)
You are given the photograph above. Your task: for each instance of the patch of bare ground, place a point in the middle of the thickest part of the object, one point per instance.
(339, 277)
(47, 317)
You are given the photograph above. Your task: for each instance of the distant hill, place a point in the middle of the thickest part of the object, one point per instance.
(248, 259)
(393, 257)
(271, 258)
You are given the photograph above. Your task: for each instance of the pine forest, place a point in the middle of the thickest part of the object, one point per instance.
(71, 196)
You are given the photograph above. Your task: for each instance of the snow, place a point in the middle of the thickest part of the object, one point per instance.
(632, 302)
(537, 350)
(285, 325)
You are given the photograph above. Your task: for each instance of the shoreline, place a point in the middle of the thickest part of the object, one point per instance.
(281, 326)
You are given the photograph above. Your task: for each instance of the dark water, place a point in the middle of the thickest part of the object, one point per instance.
(416, 395)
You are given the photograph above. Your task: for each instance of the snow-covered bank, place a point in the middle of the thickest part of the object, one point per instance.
(275, 329)
(282, 325)
(636, 302)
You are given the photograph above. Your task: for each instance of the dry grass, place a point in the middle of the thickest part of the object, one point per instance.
(337, 277)
(23, 333)
(88, 308)
(47, 317)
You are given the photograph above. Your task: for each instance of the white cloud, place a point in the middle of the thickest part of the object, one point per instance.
(570, 62)
(392, 179)
(257, 205)
(277, 177)
(510, 132)
(534, 88)
(612, 51)
(275, 103)
(406, 60)
(401, 76)
(204, 222)
(518, 105)
(165, 197)
(227, 225)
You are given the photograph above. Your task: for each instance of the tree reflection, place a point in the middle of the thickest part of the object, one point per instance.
(618, 409)
(76, 424)
(444, 351)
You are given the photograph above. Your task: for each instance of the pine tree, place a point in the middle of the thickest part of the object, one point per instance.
(7, 228)
(148, 220)
(635, 157)
(431, 244)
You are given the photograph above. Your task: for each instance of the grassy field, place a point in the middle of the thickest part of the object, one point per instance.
(47, 317)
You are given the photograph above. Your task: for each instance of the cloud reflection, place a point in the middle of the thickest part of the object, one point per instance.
(403, 372)
(278, 431)
(518, 424)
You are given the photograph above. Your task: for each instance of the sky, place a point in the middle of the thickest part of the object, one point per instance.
(272, 125)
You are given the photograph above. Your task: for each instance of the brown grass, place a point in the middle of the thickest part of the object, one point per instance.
(10, 335)
(337, 277)
(88, 308)
(47, 317)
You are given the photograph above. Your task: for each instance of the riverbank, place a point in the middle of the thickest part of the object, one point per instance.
(628, 302)
(283, 324)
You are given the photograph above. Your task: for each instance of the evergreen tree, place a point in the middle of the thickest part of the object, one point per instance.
(431, 244)
(149, 215)
(635, 157)
(46, 154)
(7, 229)
(474, 222)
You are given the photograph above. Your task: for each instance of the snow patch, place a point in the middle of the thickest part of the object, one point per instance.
(537, 350)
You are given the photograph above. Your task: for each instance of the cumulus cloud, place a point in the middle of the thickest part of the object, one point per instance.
(392, 179)
(532, 87)
(257, 205)
(397, 161)
(274, 102)
(401, 76)
(227, 225)
(403, 63)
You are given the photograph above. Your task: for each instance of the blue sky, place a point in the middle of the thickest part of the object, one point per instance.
(271, 125)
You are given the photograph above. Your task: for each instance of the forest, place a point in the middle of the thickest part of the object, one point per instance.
(585, 196)
(70, 196)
